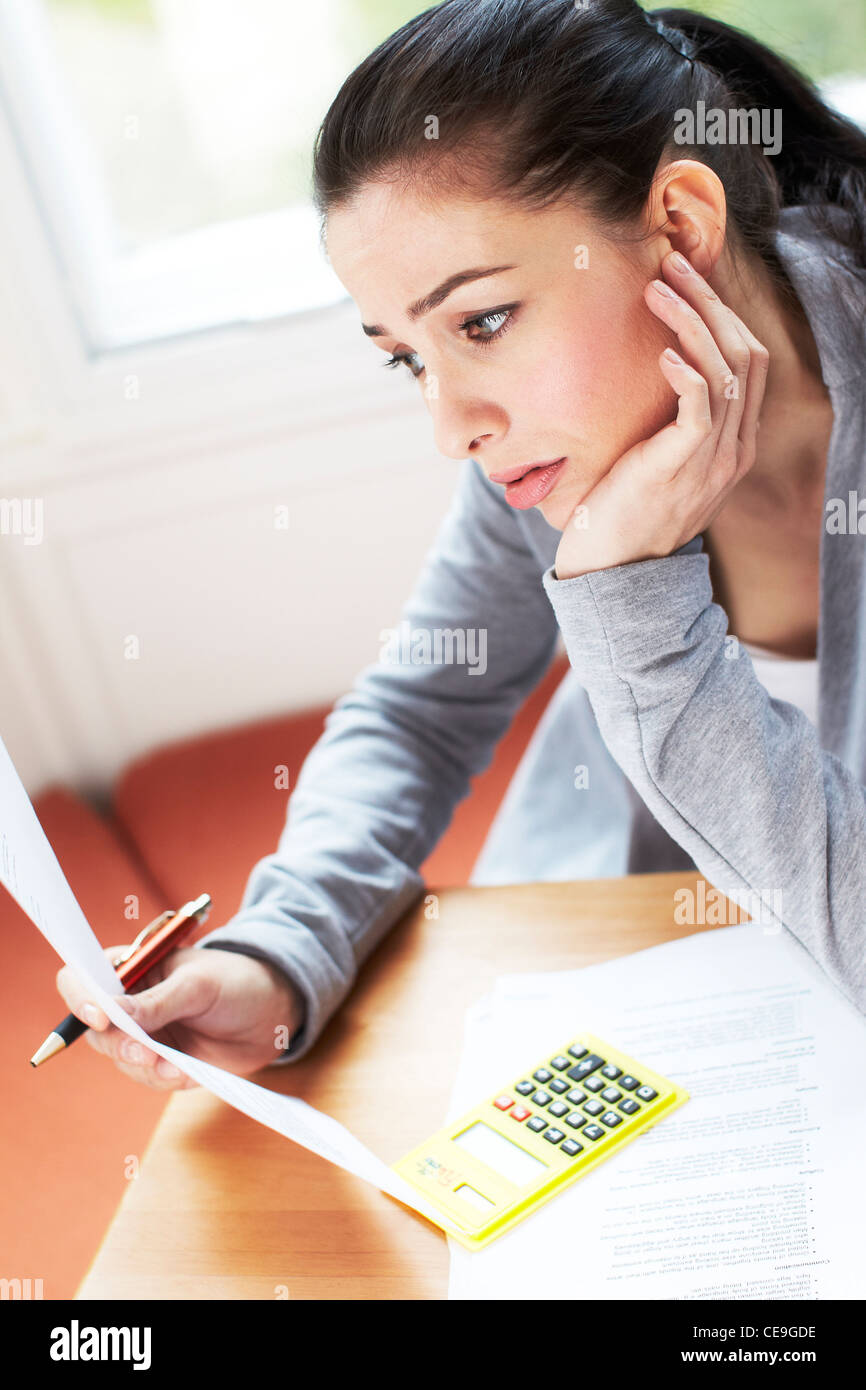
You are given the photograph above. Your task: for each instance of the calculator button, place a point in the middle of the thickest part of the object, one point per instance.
(593, 1107)
(594, 1132)
(594, 1083)
(503, 1102)
(611, 1119)
(524, 1087)
(537, 1123)
(558, 1109)
(646, 1093)
(576, 1120)
(554, 1135)
(628, 1083)
(558, 1085)
(584, 1067)
(577, 1051)
(576, 1097)
(519, 1112)
(542, 1098)
(542, 1074)
(611, 1072)
(628, 1107)
(571, 1148)
(559, 1063)
(611, 1095)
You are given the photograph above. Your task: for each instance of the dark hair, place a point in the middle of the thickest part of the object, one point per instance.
(544, 99)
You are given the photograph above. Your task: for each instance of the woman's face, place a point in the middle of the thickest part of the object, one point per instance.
(561, 360)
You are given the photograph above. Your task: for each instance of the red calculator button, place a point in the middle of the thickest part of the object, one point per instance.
(503, 1102)
(520, 1112)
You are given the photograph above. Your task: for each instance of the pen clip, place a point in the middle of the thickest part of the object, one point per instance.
(143, 935)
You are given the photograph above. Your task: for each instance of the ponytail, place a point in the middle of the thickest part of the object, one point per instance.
(822, 156)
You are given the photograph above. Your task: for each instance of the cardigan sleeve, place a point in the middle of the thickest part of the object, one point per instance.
(398, 751)
(740, 780)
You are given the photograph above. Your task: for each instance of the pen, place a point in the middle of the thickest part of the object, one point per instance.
(152, 943)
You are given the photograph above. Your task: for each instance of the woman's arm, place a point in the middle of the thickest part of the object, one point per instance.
(738, 779)
(379, 788)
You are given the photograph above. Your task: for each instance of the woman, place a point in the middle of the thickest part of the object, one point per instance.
(507, 198)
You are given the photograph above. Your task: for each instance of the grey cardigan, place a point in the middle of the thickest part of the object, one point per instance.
(683, 758)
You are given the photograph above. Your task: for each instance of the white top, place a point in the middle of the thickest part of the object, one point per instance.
(784, 678)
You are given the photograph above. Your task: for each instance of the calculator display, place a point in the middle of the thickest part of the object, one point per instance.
(502, 1155)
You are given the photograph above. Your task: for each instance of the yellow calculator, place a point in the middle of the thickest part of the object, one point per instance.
(535, 1136)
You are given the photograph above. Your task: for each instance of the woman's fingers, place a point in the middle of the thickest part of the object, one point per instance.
(102, 1035)
(137, 1061)
(740, 352)
(759, 366)
(76, 997)
(114, 1043)
(675, 446)
(697, 344)
(131, 1057)
(156, 1078)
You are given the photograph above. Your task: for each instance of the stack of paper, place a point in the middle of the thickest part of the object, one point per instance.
(751, 1190)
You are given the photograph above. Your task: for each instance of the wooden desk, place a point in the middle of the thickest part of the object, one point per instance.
(227, 1209)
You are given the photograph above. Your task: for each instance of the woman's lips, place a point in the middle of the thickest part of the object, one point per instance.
(534, 486)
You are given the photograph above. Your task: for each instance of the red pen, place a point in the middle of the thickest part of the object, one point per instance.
(153, 942)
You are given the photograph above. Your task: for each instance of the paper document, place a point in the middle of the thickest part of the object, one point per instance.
(748, 1191)
(32, 874)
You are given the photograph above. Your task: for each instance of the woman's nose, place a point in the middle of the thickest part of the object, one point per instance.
(457, 429)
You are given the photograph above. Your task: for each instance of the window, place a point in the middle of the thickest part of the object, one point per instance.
(169, 144)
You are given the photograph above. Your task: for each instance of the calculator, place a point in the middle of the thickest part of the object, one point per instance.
(535, 1136)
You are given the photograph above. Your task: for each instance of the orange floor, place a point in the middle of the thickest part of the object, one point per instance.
(74, 1125)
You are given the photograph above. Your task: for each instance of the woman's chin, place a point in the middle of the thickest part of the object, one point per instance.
(558, 511)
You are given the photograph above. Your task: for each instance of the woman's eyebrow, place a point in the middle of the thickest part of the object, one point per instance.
(436, 297)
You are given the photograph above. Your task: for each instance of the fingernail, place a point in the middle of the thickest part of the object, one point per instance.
(664, 289)
(680, 262)
(167, 1069)
(132, 1052)
(92, 1015)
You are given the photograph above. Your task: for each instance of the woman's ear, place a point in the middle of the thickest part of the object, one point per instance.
(690, 207)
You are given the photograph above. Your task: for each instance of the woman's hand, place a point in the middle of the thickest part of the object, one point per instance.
(667, 489)
(219, 1006)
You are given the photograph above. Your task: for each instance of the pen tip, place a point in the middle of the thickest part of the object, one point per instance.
(52, 1044)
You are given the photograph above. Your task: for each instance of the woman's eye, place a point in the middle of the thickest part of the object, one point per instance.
(505, 316)
(403, 359)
